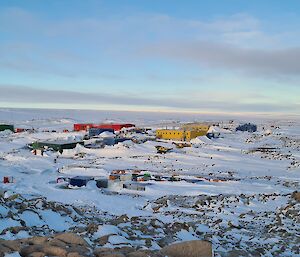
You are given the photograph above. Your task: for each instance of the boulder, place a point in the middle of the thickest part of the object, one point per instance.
(126, 250)
(11, 244)
(56, 242)
(54, 251)
(92, 228)
(37, 240)
(194, 248)
(237, 253)
(102, 240)
(27, 250)
(71, 238)
(17, 229)
(37, 254)
(4, 250)
(74, 254)
(82, 250)
(120, 219)
(296, 196)
(100, 252)
(144, 253)
(114, 254)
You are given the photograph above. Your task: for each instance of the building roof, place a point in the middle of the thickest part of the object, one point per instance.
(83, 177)
(59, 142)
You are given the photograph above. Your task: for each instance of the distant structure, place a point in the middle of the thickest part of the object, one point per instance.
(7, 127)
(247, 127)
(114, 126)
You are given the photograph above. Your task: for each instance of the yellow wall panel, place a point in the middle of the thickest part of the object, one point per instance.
(180, 134)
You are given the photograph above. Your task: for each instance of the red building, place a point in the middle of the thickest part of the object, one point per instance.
(83, 126)
(115, 127)
(19, 130)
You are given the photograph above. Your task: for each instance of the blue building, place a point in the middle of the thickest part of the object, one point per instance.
(97, 131)
(247, 127)
(80, 181)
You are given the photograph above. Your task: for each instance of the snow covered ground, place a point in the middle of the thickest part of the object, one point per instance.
(242, 199)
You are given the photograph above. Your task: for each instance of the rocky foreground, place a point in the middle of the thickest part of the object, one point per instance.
(72, 245)
(33, 226)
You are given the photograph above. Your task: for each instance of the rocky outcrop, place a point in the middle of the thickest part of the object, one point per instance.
(199, 217)
(61, 245)
(72, 245)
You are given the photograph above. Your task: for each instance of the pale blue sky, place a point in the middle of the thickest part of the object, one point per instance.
(198, 56)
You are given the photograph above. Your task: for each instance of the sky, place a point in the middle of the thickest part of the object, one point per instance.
(213, 56)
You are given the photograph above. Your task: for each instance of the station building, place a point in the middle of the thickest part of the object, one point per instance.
(201, 127)
(186, 132)
(6, 127)
(179, 134)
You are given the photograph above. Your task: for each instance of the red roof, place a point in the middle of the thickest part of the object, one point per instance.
(114, 126)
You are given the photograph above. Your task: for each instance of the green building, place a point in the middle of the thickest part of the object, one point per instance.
(6, 127)
(58, 145)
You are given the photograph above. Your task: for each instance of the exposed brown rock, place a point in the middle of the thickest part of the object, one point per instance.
(56, 242)
(37, 254)
(55, 251)
(4, 250)
(74, 254)
(195, 248)
(37, 240)
(102, 240)
(144, 253)
(82, 250)
(238, 253)
(100, 252)
(126, 250)
(17, 229)
(113, 254)
(71, 238)
(296, 196)
(27, 250)
(92, 228)
(121, 219)
(13, 245)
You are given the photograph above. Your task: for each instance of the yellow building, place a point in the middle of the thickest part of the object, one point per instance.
(173, 134)
(179, 134)
(203, 127)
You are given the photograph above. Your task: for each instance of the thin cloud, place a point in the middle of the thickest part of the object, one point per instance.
(22, 94)
(212, 44)
(261, 62)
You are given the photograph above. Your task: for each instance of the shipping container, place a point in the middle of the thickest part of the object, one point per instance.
(80, 181)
